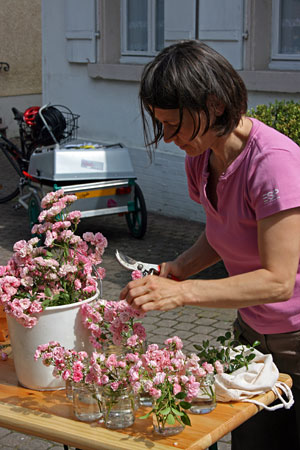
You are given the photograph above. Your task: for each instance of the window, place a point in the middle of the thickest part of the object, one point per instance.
(142, 34)
(286, 34)
(252, 34)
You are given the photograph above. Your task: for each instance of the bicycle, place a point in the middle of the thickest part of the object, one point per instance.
(43, 135)
(37, 127)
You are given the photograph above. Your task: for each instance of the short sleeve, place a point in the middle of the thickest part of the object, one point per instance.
(274, 181)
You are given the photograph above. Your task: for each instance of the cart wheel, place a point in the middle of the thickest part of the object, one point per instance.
(34, 209)
(137, 218)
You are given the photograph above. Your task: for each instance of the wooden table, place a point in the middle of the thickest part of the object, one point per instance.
(49, 415)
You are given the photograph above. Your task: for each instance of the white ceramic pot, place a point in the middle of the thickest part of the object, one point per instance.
(59, 323)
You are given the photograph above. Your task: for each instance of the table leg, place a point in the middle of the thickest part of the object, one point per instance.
(67, 448)
(214, 446)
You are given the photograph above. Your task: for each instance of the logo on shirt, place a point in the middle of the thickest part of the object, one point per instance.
(270, 196)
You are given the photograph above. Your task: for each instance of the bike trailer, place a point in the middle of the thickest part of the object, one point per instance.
(101, 176)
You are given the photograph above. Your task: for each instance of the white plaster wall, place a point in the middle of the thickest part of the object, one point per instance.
(110, 113)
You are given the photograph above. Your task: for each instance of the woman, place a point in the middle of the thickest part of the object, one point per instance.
(247, 177)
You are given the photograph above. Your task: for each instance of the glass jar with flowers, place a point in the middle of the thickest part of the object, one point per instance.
(167, 378)
(87, 402)
(119, 378)
(213, 360)
(74, 368)
(43, 286)
(111, 324)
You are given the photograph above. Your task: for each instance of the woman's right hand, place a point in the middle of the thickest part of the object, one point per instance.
(171, 269)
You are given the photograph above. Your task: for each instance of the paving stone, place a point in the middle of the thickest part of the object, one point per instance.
(198, 338)
(149, 327)
(149, 320)
(4, 432)
(224, 325)
(219, 332)
(167, 332)
(16, 439)
(189, 347)
(183, 334)
(224, 445)
(175, 314)
(188, 318)
(157, 339)
(206, 321)
(36, 444)
(184, 326)
(168, 323)
(202, 329)
(210, 313)
(226, 438)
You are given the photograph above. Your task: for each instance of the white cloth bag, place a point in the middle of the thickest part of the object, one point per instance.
(260, 377)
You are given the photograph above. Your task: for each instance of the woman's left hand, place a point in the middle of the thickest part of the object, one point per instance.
(153, 293)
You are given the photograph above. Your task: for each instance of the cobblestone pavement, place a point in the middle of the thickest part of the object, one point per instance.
(165, 239)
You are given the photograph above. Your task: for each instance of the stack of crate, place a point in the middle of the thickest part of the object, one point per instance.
(3, 326)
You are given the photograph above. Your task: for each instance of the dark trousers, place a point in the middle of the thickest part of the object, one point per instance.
(280, 429)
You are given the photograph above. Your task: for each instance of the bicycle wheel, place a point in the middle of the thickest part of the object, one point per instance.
(34, 209)
(137, 218)
(10, 176)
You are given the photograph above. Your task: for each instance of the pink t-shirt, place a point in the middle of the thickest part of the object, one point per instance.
(263, 180)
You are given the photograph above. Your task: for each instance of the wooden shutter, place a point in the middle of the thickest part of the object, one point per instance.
(180, 20)
(80, 30)
(221, 26)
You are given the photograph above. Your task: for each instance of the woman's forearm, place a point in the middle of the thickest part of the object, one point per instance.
(198, 257)
(239, 291)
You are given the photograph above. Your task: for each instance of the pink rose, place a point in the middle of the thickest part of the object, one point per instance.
(176, 388)
(136, 274)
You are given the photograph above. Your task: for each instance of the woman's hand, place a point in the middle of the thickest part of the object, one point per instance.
(171, 269)
(153, 293)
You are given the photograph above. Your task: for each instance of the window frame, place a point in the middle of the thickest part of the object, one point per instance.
(284, 61)
(139, 56)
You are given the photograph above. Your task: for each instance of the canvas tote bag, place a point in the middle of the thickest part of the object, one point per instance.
(261, 376)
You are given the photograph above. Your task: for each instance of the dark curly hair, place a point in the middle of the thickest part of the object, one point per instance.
(185, 76)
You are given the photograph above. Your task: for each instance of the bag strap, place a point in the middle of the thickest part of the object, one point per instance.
(284, 404)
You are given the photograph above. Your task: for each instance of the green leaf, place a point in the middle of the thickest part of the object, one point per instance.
(48, 292)
(198, 347)
(177, 412)
(146, 415)
(186, 420)
(171, 419)
(180, 395)
(165, 411)
(185, 405)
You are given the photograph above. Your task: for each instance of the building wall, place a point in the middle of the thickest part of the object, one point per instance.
(21, 48)
(109, 113)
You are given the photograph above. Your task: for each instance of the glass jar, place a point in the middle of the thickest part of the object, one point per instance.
(69, 390)
(118, 407)
(87, 402)
(163, 428)
(206, 399)
(146, 399)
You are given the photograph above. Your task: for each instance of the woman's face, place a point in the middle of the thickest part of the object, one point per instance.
(170, 121)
